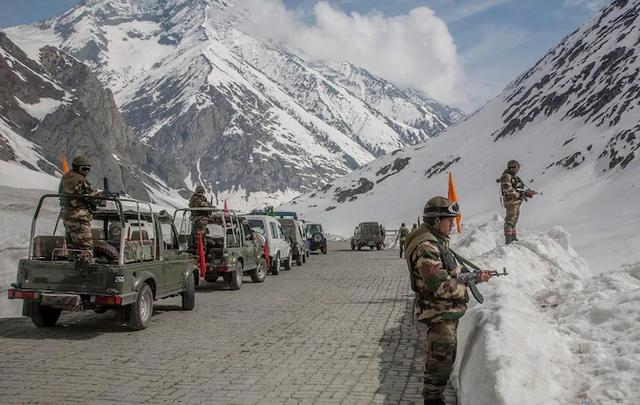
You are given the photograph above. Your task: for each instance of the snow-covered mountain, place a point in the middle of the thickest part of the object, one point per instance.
(573, 121)
(251, 120)
(54, 106)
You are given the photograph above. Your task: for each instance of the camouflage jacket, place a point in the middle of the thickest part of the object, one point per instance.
(199, 201)
(74, 183)
(433, 270)
(509, 183)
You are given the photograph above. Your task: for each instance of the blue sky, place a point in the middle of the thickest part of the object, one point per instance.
(495, 39)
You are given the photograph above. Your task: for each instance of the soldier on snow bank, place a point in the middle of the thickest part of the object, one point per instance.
(77, 211)
(514, 192)
(440, 300)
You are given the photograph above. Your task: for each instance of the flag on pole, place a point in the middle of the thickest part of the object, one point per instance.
(453, 197)
(65, 165)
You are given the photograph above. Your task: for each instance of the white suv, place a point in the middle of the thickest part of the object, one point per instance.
(279, 248)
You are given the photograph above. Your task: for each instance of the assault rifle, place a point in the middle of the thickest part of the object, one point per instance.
(528, 192)
(469, 277)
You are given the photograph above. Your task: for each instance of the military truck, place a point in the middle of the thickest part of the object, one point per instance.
(136, 260)
(230, 248)
(367, 234)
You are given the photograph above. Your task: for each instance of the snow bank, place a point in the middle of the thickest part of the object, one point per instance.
(548, 333)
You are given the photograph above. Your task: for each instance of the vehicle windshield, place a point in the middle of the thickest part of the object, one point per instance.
(314, 228)
(257, 226)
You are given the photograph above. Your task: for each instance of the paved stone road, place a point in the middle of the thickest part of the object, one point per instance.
(336, 330)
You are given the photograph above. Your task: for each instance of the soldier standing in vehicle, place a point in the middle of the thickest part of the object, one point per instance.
(440, 300)
(402, 237)
(513, 193)
(77, 211)
(199, 218)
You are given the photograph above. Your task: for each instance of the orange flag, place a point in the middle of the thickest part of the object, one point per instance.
(453, 197)
(65, 165)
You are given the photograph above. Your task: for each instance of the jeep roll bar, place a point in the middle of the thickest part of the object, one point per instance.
(119, 210)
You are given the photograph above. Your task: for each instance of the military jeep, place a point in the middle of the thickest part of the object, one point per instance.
(230, 248)
(367, 234)
(135, 260)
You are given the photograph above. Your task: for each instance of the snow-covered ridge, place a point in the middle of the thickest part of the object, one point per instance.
(571, 121)
(548, 333)
(198, 89)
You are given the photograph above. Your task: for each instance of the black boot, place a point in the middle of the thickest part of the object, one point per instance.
(434, 402)
(507, 239)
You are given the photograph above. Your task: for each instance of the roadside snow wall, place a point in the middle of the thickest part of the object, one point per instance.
(548, 333)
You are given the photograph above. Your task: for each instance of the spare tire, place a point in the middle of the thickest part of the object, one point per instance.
(103, 250)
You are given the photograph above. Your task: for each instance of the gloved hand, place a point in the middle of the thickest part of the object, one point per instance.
(529, 194)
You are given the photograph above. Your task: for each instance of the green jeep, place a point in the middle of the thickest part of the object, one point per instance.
(136, 260)
(230, 248)
(368, 234)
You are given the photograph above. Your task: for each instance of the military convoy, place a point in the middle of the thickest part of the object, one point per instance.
(137, 259)
(139, 256)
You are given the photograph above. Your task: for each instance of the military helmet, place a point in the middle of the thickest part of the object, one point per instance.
(199, 190)
(80, 160)
(438, 207)
(513, 164)
(402, 224)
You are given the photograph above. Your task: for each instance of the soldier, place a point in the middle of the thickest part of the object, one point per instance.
(440, 299)
(402, 236)
(77, 211)
(199, 218)
(513, 193)
(414, 227)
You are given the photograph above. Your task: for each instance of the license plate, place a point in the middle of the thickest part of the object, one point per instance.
(70, 302)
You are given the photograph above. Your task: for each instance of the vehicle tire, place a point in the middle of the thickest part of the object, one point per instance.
(359, 247)
(353, 247)
(44, 316)
(259, 274)
(324, 250)
(287, 262)
(189, 294)
(236, 277)
(304, 257)
(103, 250)
(308, 252)
(299, 260)
(379, 247)
(275, 266)
(142, 309)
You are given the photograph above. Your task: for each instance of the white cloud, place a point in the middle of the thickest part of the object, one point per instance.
(593, 5)
(471, 8)
(413, 50)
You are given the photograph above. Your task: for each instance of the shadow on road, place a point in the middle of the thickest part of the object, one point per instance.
(74, 326)
(400, 376)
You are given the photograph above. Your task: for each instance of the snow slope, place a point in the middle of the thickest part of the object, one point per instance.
(548, 333)
(199, 90)
(572, 121)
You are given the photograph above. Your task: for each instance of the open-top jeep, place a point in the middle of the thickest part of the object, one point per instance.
(230, 247)
(367, 234)
(136, 260)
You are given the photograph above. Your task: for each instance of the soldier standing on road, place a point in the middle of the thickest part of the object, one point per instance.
(402, 237)
(77, 211)
(440, 300)
(513, 193)
(199, 218)
(414, 227)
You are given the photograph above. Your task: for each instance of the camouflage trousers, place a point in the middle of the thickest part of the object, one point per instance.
(78, 234)
(401, 248)
(440, 350)
(199, 224)
(511, 219)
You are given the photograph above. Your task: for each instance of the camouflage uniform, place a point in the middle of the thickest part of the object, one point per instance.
(402, 237)
(76, 212)
(512, 200)
(440, 302)
(199, 219)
